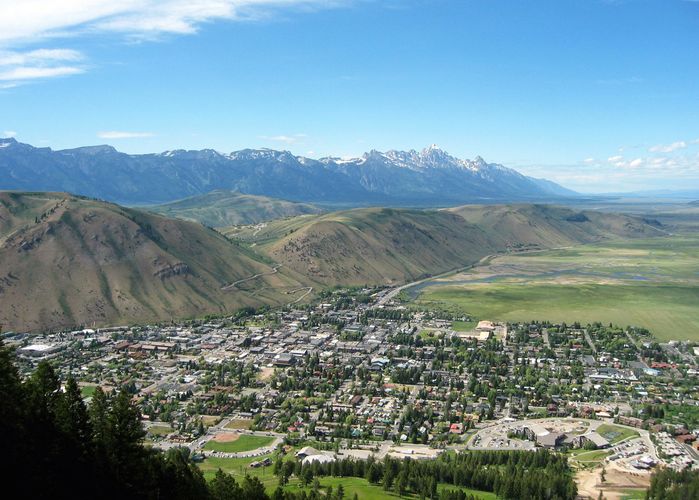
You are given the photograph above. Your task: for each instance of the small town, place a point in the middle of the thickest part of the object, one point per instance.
(362, 374)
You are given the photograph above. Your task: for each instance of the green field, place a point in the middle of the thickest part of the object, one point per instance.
(367, 491)
(159, 430)
(239, 467)
(243, 443)
(651, 283)
(88, 391)
(615, 434)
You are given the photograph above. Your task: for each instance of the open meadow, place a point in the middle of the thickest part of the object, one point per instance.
(652, 283)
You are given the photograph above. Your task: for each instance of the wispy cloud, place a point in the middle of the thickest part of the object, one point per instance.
(20, 67)
(619, 81)
(116, 134)
(34, 19)
(285, 139)
(41, 21)
(9, 133)
(668, 148)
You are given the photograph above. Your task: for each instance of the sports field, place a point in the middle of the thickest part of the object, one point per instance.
(242, 442)
(651, 283)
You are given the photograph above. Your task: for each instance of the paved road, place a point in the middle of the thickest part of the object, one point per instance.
(395, 291)
(588, 339)
(545, 335)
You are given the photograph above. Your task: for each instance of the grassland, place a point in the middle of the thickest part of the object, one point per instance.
(239, 467)
(588, 459)
(240, 423)
(243, 443)
(159, 430)
(88, 391)
(652, 283)
(615, 434)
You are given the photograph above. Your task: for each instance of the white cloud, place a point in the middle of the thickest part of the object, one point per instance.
(31, 73)
(615, 159)
(636, 163)
(38, 56)
(39, 21)
(589, 160)
(35, 19)
(19, 67)
(9, 133)
(116, 134)
(668, 148)
(286, 139)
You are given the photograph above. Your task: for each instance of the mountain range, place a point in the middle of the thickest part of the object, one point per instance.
(430, 177)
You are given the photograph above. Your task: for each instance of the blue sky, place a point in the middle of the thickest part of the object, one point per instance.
(599, 95)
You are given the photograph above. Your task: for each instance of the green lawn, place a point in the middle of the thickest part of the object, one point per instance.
(367, 491)
(239, 467)
(633, 495)
(159, 430)
(650, 283)
(463, 326)
(614, 433)
(240, 423)
(243, 443)
(88, 391)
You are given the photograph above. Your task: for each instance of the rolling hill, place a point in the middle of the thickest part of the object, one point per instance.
(534, 227)
(392, 246)
(67, 261)
(229, 208)
(430, 177)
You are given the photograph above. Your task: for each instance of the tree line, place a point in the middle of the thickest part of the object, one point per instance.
(55, 446)
(508, 474)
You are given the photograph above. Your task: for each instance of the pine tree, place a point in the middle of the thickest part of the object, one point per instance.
(224, 487)
(253, 489)
(74, 422)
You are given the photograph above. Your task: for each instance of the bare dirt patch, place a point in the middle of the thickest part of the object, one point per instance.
(226, 437)
(617, 483)
(265, 374)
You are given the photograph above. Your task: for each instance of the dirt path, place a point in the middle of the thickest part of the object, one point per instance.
(230, 286)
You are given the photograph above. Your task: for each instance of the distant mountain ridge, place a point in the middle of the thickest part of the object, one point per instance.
(427, 177)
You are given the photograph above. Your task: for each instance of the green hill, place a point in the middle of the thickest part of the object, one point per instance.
(530, 226)
(390, 246)
(67, 261)
(230, 208)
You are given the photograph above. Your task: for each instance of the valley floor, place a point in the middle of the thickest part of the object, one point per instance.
(652, 283)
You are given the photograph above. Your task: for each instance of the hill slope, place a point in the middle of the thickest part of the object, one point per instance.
(428, 178)
(391, 246)
(229, 208)
(547, 226)
(383, 246)
(66, 261)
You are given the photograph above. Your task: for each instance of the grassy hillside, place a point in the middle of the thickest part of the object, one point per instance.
(382, 246)
(547, 226)
(67, 261)
(390, 246)
(229, 208)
